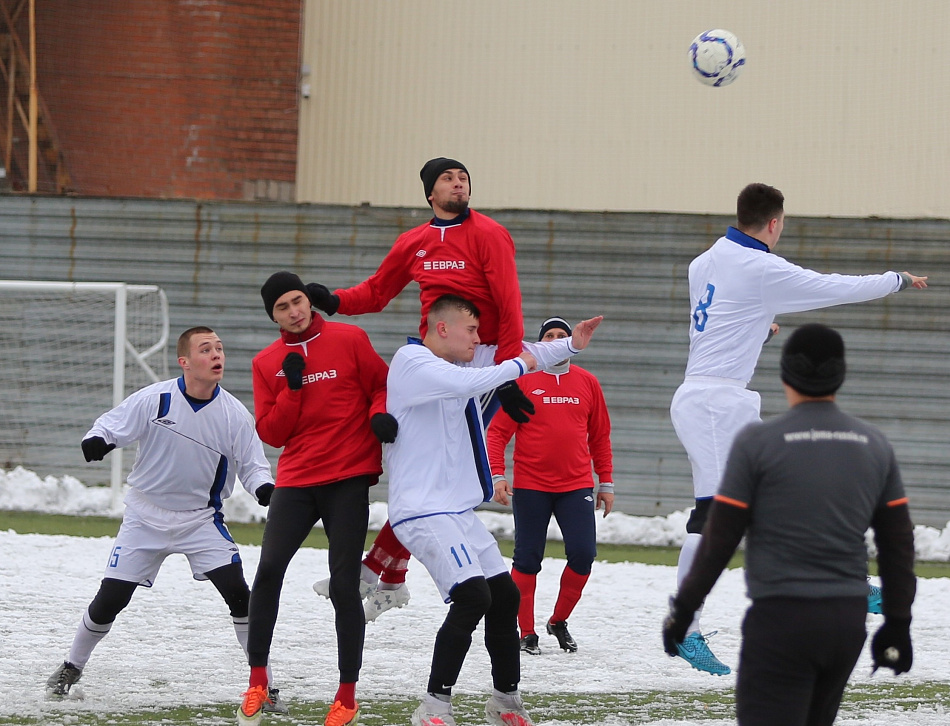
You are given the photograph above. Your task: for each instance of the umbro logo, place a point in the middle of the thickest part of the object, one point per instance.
(537, 392)
(421, 253)
(165, 421)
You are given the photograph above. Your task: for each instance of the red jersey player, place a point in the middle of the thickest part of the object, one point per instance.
(462, 252)
(552, 475)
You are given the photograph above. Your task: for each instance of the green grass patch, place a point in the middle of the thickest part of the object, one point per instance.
(250, 534)
(635, 707)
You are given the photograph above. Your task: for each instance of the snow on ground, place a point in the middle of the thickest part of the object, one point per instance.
(174, 644)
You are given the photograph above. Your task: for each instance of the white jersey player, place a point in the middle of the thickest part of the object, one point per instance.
(736, 289)
(438, 474)
(194, 438)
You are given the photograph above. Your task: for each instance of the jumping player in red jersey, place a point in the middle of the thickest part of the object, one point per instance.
(460, 252)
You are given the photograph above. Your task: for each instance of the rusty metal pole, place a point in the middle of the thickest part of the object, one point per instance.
(33, 101)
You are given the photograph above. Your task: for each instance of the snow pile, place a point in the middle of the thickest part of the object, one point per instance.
(22, 490)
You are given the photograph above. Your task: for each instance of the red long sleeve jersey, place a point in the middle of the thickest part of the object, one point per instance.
(324, 427)
(474, 258)
(570, 428)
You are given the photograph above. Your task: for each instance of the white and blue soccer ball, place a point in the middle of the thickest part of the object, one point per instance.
(717, 57)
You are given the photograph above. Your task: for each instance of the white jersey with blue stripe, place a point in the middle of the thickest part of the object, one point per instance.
(737, 287)
(439, 461)
(188, 452)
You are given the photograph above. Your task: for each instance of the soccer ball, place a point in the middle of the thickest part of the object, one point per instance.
(716, 56)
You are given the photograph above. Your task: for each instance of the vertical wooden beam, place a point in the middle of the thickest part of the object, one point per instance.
(11, 96)
(34, 111)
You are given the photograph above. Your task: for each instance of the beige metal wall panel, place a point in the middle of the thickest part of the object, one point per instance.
(559, 104)
(211, 259)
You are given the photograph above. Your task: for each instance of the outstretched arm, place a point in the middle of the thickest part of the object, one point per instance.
(584, 331)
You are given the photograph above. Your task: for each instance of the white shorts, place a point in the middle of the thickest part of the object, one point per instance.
(707, 417)
(149, 534)
(452, 547)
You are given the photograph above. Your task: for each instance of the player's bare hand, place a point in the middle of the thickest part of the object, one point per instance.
(919, 282)
(584, 331)
(529, 361)
(502, 492)
(606, 499)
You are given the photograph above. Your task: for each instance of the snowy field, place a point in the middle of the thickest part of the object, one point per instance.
(174, 644)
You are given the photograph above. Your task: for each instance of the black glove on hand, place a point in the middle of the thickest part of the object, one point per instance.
(293, 370)
(322, 298)
(95, 448)
(263, 493)
(675, 627)
(385, 426)
(514, 402)
(891, 648)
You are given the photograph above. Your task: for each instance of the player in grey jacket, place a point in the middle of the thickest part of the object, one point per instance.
(804, 488)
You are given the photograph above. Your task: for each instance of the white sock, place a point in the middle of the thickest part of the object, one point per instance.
(87, 638)
(389, 585)
(510, 700)
(687, 555)
(240, 630)
(367, 575)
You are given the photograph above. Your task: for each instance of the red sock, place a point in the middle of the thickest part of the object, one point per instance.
(258, 676)
(346, 694)
(572, 585)
(387, 557)
(526, 584)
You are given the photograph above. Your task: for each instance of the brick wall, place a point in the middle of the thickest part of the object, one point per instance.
(173, 98)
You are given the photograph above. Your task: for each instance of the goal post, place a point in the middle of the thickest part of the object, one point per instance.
(72, 351)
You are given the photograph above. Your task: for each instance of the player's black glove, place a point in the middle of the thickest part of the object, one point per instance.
(385, 426)
(263, 493)
(675, 626)
(891, 648)
(293, 370)
(514, 402)
(95, 448)
(322, 298)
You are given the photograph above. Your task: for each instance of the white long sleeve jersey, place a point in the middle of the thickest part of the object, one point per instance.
(188, 455)
(736, 288)
(439, 463)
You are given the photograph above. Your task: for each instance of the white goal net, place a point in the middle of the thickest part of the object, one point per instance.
(72, 351)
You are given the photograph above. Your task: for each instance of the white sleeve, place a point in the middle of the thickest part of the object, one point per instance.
(252, 466)
(551, 352)
(788, 288)
(419, 380)
(126, 423)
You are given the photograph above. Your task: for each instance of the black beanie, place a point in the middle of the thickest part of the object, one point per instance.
(278, 284)
(554, 322)
(813, 360)
(434, 167)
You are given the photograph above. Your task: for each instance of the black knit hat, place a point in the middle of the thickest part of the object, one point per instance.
(554, 322)
(278, 284)
(813, 360)
(434, 167)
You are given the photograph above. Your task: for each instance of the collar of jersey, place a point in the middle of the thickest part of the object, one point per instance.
(436, 222)
(741, 238)
(314, 329)
(196, 404)
(412, 340)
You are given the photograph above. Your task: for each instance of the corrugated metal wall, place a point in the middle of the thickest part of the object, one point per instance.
(212, 258)
(559, 104)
